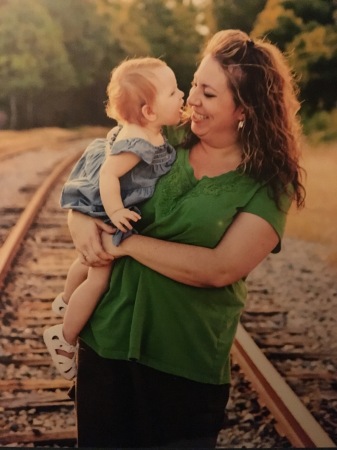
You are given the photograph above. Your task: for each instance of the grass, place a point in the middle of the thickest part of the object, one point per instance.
(317, 222)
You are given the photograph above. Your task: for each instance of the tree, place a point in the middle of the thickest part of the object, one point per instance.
(318, 11)
(125, 30)
(90, 38)
(314, 56)
(31, 56)
(277, 23)
(171, 30)
(85, 36)
(307, 32)
(239, 14)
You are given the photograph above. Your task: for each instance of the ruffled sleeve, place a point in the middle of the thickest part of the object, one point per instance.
(138, 146)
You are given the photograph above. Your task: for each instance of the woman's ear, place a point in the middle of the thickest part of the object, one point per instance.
(148, 113)
(241, 113)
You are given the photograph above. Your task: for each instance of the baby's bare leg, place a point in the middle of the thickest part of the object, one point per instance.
(84, 300)
(77, 273)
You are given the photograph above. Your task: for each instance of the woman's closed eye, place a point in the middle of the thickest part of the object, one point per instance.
(205, 92)
(209, 95)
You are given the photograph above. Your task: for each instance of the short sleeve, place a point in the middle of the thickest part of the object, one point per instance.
(264, 206)
(138, 146)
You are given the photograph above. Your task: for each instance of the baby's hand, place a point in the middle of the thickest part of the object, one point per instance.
(121, 219)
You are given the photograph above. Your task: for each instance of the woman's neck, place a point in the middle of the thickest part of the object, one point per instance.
(211, 161)
(219, 151)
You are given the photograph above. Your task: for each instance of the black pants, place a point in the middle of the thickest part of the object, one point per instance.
(126, 404)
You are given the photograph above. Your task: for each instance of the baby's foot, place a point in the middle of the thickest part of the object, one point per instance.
(62, 353)
(59, 306)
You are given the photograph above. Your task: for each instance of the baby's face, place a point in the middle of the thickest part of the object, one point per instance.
(169, 101)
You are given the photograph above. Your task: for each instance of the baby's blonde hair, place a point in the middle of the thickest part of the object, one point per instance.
(131, 87)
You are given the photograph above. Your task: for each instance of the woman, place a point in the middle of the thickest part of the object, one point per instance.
(154, 361)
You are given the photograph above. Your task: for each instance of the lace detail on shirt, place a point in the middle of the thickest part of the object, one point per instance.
(172, 187)
(176, 185)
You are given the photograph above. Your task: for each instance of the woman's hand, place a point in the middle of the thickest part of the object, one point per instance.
(86, 234)
(113, 251)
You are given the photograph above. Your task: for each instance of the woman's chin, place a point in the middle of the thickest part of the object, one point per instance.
(197, 129)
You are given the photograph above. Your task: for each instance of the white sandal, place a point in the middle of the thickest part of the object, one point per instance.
(54, 340)
(59, 306)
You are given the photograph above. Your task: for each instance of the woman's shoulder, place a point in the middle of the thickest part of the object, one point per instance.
(175, 135)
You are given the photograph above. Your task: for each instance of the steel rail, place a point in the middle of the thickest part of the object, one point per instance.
(11, 152)
(294, 420)
(12, 244)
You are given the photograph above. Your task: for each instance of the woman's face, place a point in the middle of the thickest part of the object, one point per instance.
(214, 113)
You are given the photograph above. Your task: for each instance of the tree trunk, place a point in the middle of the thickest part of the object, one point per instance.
(30, 111)
(13, 112)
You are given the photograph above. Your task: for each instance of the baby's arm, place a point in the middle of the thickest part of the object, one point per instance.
(112, 169)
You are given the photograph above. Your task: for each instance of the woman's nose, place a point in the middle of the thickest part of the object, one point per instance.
(193, 99)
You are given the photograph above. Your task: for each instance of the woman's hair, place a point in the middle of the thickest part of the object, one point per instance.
(131, 87)
(262, 83)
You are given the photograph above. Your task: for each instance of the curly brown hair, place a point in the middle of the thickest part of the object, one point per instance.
(262, 83)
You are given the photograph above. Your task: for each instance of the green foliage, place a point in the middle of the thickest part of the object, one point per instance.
(285, 31)
(321, 126)
(280, 25)
(320, 11)
(239, 14)
(123, 28)
(311, 49)
(56, 55)
(32, 55)
(171, 33)
(307, 32)
(85, 36)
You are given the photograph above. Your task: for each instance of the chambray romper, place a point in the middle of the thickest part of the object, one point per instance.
(81, 190)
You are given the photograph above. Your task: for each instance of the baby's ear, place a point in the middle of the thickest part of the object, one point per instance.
(148, 113)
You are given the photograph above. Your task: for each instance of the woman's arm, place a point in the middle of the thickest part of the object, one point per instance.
(246, 243)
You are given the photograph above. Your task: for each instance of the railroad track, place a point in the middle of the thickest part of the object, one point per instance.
(292, 320)
(33, 263)
(30, 274)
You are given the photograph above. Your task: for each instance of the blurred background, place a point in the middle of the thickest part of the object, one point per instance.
(56, 55)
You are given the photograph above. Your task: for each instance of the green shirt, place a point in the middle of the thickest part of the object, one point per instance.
(179, 329)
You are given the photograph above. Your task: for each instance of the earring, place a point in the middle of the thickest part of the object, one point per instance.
(241, 124)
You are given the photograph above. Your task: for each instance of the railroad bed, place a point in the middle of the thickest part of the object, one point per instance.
(292, 316)
(34, 406)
